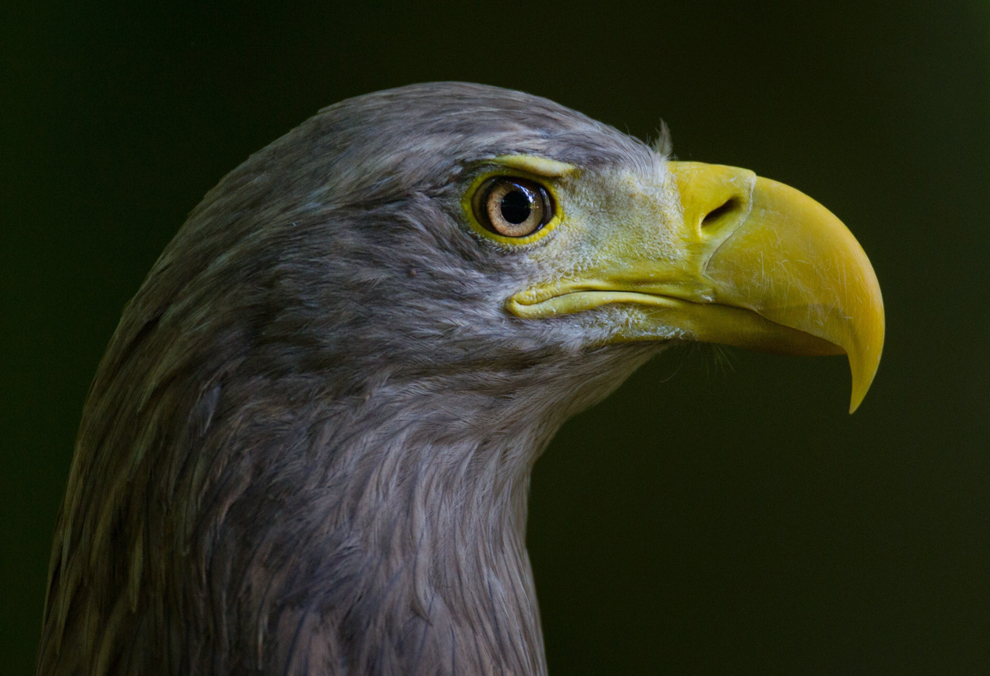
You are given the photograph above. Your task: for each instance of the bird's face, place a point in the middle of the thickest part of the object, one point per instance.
(458, 230)
(680, 250)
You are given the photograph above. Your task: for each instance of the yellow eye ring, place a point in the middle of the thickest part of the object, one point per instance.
(511, 209)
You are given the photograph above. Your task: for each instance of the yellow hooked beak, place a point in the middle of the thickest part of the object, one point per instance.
(757, 264)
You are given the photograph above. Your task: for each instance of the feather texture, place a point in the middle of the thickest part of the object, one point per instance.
(307, 449)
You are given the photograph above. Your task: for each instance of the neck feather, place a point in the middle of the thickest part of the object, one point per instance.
(276, 527)
(415, 554)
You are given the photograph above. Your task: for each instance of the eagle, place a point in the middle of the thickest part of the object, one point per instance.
(308, 446)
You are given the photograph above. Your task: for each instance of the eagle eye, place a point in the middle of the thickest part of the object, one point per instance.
(513, 207)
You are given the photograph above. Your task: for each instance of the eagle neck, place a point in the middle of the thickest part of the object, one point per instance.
(436, 505)
(401, 527)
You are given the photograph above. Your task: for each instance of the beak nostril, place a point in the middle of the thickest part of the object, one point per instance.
(717, 213)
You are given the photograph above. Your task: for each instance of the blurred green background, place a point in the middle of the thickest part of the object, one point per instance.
(721, 513)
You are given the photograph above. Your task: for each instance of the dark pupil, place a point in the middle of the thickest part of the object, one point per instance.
(516, 206)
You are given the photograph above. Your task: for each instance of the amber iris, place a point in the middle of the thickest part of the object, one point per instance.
(513, 207)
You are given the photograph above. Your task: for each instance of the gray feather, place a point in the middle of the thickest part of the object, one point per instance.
(307, 449)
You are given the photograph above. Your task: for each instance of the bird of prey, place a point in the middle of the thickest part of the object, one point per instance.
(308, 447)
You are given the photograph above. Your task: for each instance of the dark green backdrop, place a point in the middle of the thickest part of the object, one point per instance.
(716, 515)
